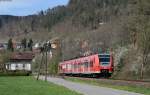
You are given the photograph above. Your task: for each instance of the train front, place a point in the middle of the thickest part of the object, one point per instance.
(106, 63)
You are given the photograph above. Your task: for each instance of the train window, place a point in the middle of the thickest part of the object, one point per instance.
(104, 55)
(86, 64)
(75, 66)
(69, 66)
(82, 65)
(104, 63)
(72, 66)
(91, 64)
(104, 59)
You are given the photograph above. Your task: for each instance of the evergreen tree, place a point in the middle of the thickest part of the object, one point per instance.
(10, 45)
(30, 44)
(24, 43)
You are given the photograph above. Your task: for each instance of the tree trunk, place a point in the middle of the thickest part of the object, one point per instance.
(142, 67)
(144, 62)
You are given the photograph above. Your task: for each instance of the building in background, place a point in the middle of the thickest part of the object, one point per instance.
(20, 61)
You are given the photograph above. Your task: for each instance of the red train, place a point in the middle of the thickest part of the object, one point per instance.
(93, 65)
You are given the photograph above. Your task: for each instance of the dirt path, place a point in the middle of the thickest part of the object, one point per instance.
(88, 89)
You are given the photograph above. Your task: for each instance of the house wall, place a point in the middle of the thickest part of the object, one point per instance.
(19, 66)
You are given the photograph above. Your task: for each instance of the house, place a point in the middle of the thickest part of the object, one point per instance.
(17, 45)
(20, 61)
(36, 48)
(3, 46)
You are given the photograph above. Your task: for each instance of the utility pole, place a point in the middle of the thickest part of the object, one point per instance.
(39, 71)
(44, 50)
(46, 65)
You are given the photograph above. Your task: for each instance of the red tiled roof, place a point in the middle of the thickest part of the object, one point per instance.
(22, 56)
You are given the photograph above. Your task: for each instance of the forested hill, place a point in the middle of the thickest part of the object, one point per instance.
(6, 19)
(88, 13)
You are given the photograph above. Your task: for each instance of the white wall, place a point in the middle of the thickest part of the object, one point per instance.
(19, 66)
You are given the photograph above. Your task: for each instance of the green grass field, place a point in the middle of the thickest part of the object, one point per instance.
(29, 86)
(142, 90)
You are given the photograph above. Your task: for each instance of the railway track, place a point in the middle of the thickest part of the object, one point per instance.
(119, 82)
(145, 81)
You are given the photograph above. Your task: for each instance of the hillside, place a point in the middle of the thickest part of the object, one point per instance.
(88, 26)
(85, 13)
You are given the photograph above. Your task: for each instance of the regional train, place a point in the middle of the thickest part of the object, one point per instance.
(93, 65)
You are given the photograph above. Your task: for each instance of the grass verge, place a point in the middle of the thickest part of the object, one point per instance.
(142, 90)
(29, 86)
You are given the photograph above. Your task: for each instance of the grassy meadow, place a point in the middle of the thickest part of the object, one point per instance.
(30, 86)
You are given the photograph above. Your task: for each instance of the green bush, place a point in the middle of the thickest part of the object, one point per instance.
(15, 73)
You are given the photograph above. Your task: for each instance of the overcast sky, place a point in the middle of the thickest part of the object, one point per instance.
(27, 7)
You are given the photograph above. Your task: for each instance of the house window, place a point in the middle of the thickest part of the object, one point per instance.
(23, 66)
(16, 66)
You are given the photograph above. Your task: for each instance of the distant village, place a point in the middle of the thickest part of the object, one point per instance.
(23, 45)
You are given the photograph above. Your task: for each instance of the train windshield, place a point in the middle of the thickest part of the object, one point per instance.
(104, 59)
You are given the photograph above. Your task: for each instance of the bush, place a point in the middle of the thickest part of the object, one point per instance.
(16, 73)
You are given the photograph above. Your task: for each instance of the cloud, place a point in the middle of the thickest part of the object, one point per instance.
(26, 7)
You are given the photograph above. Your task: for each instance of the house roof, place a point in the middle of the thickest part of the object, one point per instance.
(22, 56)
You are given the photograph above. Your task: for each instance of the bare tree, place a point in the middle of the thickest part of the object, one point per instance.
(143, 28)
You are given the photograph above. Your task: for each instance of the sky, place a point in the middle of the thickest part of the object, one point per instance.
(27, 7)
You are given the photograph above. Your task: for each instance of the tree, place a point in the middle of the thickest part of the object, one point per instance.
(144, 45)
(10, 45)
(4, 57)
(141, 26)
(24, 43)
(30, 44)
